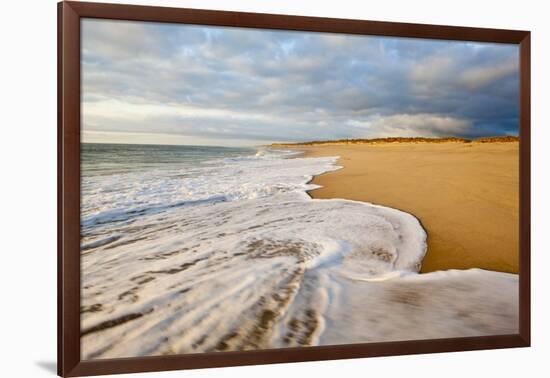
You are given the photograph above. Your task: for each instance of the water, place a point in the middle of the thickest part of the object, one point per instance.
(191, 249)
(121, 182)
(105, 159)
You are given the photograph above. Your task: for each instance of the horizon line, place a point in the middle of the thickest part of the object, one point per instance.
(380, 139)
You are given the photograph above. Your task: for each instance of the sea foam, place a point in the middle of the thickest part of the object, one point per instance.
(232, 254)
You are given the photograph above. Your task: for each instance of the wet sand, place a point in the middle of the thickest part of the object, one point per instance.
(465, 194)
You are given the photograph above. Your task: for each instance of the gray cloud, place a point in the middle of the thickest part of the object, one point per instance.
(280, 85)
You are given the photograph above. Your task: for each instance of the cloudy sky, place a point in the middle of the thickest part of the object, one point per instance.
(182, 84)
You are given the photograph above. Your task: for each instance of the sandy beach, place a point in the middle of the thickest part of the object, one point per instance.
(303, 189)
(465, 195)
(282, 270)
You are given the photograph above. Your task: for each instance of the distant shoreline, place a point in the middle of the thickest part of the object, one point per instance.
(494, 139)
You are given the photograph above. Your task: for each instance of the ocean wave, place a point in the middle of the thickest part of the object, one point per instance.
(124, 197)
(267, 267)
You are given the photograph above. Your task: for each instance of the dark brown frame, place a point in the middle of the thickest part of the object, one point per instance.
(69, 14)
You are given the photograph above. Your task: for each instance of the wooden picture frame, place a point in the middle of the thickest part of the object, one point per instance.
(69, 96)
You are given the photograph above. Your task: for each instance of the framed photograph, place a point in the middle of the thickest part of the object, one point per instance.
(239, 188)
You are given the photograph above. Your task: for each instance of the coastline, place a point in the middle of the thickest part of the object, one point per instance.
(465, 195)
(287, 253)
(308, 271)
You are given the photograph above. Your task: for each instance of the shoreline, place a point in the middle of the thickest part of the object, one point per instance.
(292, 255)
(470, 214)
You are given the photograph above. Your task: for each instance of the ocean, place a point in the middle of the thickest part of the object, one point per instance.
(188, 249)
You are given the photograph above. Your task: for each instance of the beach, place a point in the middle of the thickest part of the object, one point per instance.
(189, 249)
(260, 193)
(464, 194)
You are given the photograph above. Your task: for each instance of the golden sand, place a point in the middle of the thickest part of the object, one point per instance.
(465, 195)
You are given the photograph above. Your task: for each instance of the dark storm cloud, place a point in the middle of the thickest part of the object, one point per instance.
(278, 85)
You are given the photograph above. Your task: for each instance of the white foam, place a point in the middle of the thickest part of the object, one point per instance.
(235, 255)
(122, 197)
